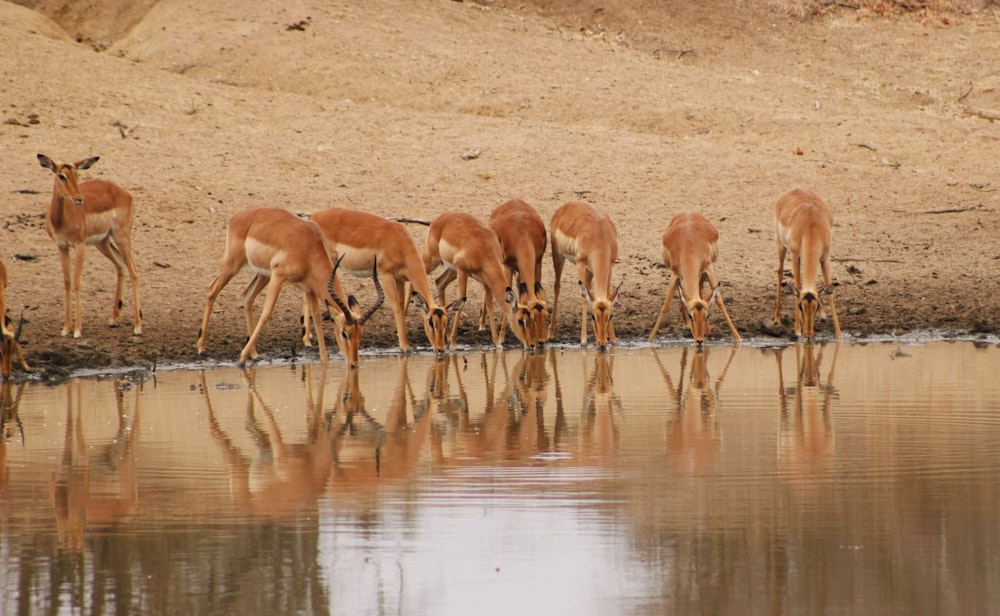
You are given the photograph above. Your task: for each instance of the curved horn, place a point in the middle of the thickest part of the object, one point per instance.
(340, 304)
(378, 289)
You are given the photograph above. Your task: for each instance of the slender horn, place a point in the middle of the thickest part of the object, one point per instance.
(378, 289)
(340, 304)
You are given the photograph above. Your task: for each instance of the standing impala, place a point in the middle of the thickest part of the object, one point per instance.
(523, 239)
(97, 212)
(362, 239)
(585, 235)
(10, 347)
(689, 250)
(803, 226)
(281, 247)
(467, 247)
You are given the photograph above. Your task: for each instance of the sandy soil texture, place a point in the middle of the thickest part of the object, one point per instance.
(646, 109)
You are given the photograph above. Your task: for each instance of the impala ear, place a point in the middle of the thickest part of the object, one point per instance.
(715, 294)
(789, 289)
(828, 289)
(87, 162)
(540, 292)
(46, 162)
(419, 301)
(614, 294)
(585, 294)
(511, 297)
(456, 305)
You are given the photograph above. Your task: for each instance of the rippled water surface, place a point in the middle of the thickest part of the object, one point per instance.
(803, 479)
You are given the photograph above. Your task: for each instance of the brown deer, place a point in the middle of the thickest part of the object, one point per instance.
(99, 213)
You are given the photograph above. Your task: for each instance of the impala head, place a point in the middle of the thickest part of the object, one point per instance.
(697, 311)
(533, 313)
(520, 322)
(351, 328)
(9, 346)
(436, 320)
(66, 183)
(600, 314)
(808, 306)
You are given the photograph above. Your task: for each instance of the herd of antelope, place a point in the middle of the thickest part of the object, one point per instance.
(281, 247)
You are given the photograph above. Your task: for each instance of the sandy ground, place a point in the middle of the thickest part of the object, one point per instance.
(203, 108)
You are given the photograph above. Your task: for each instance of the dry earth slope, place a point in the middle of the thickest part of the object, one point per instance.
(646, 109)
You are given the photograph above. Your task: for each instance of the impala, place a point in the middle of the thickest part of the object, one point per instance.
(362, 239)
(690, 250)
(469, 248)
(10, 339)
(282, 248)
(523, 239)
(586, 236)
(97, 212)
(803, 226)
(5, 332)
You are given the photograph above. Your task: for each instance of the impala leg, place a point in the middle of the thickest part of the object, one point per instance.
(109, 250)
(313, 302)
(671, 287)
(781, 272)
(587, 279)
(77, 275)
(125, 246)
(265, 315)
(502, 330)
(463, 284)
(226, 273)
(250, 296)
(67, 288)
(442, 281)
(306, 311)
(714, 284)
(488, 309)
(825, 264)
(797, 278)
(395, 292)
(558, 260)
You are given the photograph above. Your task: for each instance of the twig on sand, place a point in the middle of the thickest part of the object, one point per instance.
(987, 114)
(864, 260)
(950, 210)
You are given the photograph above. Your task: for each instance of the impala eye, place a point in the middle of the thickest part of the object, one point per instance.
(62, 176)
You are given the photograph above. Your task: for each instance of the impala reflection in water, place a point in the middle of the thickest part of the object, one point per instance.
(856, 478)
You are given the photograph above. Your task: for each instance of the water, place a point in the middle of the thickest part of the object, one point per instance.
(842, 478)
